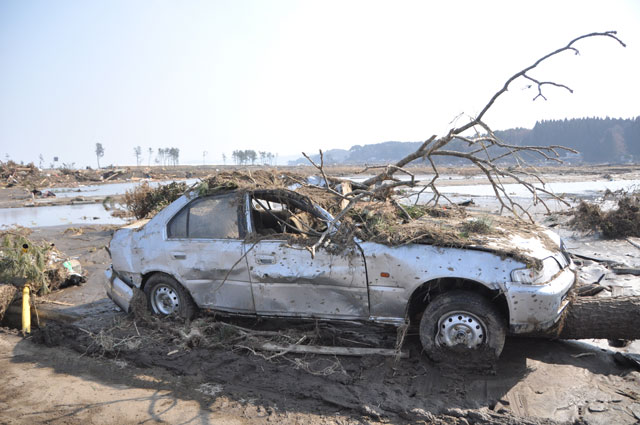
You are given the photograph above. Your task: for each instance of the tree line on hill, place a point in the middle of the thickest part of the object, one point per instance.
(597, 140)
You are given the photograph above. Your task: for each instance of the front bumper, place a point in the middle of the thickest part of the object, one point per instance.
(534, 308)
(119, 292)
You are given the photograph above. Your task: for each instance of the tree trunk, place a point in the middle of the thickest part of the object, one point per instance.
(604, 318)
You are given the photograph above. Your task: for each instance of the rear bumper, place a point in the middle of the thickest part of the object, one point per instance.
(118, 290)
(534, 308)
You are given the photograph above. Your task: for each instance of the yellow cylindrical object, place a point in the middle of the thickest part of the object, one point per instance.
(26, 310)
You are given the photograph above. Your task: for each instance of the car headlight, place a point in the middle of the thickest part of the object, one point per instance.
(550, 268)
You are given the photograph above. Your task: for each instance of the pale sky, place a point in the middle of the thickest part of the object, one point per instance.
(291, 76)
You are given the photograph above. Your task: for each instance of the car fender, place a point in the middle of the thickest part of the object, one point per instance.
(395, 272)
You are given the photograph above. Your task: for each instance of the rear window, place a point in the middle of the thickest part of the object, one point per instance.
(206, 218)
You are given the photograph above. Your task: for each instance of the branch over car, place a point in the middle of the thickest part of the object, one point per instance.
(245, 250)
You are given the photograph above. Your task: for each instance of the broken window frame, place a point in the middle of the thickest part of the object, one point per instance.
(287, 199)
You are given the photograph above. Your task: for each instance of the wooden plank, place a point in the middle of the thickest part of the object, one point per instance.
(346, 188)
(626, 270)
(332, 351)
(596, 259)
(634, 241)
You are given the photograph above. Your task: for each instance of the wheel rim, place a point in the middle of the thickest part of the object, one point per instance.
(460, 329)
(165, 300)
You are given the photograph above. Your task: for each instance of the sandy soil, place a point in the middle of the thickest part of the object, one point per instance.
(58, 376)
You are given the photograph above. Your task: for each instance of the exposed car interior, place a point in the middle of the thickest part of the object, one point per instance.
(277, 212)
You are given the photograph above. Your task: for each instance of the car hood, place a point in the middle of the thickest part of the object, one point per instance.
(527, 242)
(539, 245)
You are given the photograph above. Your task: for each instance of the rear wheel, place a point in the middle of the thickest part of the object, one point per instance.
(462, 325)
(166, 296)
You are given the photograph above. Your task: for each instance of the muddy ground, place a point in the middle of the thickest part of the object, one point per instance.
(107, 367)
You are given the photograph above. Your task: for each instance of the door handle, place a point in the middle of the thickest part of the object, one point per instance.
(266, 259)
(179, 255)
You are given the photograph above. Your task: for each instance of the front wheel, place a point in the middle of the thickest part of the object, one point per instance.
(462, 325)
(166, 296)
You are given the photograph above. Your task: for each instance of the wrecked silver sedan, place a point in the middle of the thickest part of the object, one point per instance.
(237, 252)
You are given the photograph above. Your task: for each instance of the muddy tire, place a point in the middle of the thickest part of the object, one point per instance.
(166, 296)
(462, 326)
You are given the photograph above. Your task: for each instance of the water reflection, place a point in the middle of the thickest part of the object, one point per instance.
(56, 215)
(108, 189)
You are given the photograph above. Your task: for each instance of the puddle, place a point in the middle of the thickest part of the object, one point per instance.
(569, 188)
(57, 215)
(74, 214)
(418, 177)
(108, 189)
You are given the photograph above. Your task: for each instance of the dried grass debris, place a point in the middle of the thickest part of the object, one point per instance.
(39, 264)
(144, 200)
(481, 225)
(7, 293)
(620, 222)
(12, 173)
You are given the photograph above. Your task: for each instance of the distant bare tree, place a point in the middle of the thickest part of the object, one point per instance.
(99, 153)
(150, 153)
(252, 156)
(137, 151)
(174, 155)
(160, 156)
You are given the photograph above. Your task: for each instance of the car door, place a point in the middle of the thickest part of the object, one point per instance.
(288, 281)
(205, 253)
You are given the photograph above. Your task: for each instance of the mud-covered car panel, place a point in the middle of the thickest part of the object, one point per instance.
(287, 281)
(260, 262)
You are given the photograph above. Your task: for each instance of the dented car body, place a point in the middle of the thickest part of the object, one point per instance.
(231, 253)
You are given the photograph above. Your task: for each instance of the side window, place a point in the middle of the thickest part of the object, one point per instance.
(206, 218)
(177, 228)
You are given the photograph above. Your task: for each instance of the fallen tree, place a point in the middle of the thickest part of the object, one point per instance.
(605, 318)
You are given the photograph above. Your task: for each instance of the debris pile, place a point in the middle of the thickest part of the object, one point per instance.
(39, 264)
(146, 201)
(34, 178)
(162, 337)
(7, 293)
(620, 222)
(247, 181)
(12, 174)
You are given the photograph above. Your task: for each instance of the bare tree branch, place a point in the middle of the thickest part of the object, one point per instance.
(485, 151)
(568, 47)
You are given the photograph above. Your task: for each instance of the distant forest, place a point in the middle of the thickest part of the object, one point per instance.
(598, 140)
